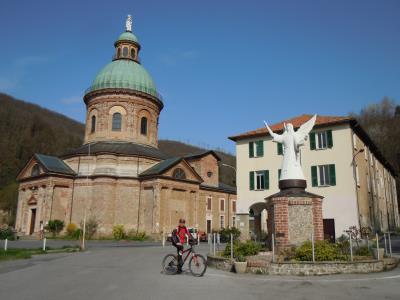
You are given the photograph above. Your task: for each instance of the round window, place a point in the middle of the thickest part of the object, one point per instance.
(209, 173)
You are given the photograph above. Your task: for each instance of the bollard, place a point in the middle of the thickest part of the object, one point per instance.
(214, 237)
(210, 243)
(351, 247)
(313, 247)
(187, 240)
(44, 244)
(390, 244)
(198, 239)
(231, 246)
(384, 238)
(5, 244)
(273, 247)
(368, 242)
(377, 244)
(163, 240)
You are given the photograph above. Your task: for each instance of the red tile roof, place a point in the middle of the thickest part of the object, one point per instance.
(296, 121)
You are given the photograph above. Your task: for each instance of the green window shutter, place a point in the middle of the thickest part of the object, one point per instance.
(266, 179)
(312, 140)
(279, 173)
(314, 176)
(332, 175)
(260, 148)
(280, 148)
(251, 149)
(251, 181)
(330, 139)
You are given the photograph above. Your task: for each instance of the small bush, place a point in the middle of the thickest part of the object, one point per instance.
(242, 249)
(225, 234)
(363, 251)
(91, 227)
(55, 226)
(324, 251)
(71, 228)
(137, 236)
(7, 233)
(118, 232)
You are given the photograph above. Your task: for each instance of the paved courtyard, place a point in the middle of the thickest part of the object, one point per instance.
(132, 271)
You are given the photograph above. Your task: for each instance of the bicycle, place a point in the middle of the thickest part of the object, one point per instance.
(197, 262)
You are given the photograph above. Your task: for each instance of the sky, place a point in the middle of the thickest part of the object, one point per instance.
(222, 66)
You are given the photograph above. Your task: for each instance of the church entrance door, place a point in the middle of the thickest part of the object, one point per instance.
(33, 220)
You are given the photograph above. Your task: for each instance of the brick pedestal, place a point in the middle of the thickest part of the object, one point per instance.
(294, 217)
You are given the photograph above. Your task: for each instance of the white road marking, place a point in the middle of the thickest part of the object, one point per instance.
(307, 278)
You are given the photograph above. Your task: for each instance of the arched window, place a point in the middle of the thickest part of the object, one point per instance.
(132, 53)
(35, 170)
(143, 126)
(116, 122)
(125, 51)
(119, 53)
(93, 125)
(179, 174)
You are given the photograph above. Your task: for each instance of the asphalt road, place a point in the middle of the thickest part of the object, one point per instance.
(134, 272)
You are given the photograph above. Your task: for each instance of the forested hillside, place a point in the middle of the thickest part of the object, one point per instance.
(27, 128)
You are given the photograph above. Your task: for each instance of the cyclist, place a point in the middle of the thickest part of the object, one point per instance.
(178, 240)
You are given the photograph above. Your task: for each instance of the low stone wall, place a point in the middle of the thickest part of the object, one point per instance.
(323, 268)
(261, 265)
(220, 263)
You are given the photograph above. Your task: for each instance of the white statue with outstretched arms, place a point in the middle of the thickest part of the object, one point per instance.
(291, 141)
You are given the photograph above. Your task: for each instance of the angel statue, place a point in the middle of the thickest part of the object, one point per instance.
(292, 140)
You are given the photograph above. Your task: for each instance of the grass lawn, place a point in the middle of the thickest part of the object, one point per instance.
(24, 253)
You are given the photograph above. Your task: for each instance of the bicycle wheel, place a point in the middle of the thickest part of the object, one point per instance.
(197, 265)
(170, 264)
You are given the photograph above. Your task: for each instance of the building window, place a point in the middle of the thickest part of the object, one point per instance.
(259, 180)
(35, 170)
(256, 149)
(209, 174)
(279, 148)
(143, 126)
(119, 53)
(222, 204)
(132, 53)
(116, 122)
(179, 174)
(323, 175)
(93, 124)
(321, 140)
(209, 200)
(234, 206)
(279, 174)
(222, 221)
(233, 221)
(125, 52)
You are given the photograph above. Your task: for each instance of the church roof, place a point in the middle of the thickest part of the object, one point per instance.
(202, 154)
(127, 36)
(54, 164)
(296, 121)
(119, 148)
(162, 166)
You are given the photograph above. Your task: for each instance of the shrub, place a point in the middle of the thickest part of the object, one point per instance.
(242, 248)
(91, 227)
(118, 232)
(7, 233)
(324, 251)
(71, 228)
(363, 251)
(55, 226)
(76, 234)
(137, 236)
(225, 234)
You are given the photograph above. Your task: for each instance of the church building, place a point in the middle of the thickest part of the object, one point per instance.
(118, 175)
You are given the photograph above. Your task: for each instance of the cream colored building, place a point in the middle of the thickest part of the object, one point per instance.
(340, 163)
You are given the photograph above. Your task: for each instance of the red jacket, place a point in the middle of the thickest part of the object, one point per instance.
(181, 233)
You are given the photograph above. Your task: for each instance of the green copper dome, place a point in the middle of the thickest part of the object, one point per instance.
(127, 36)
(124, 74)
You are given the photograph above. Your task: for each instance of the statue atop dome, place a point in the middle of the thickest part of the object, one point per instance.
(128, 23)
